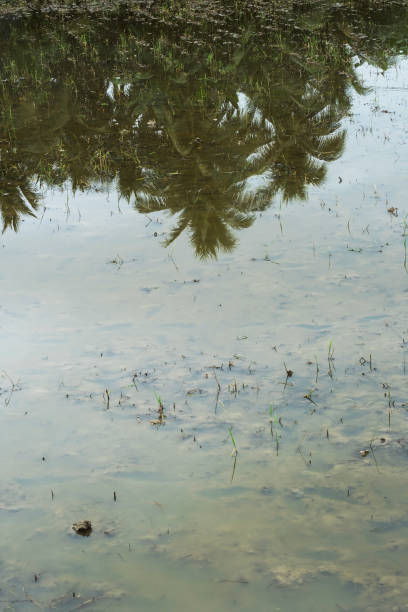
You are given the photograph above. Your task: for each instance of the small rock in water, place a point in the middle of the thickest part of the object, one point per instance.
(364, 453)
(83, 528)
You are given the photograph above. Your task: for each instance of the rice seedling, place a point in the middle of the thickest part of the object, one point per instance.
(160, 411)
(233, 388)
(234, 451)
(391, 405)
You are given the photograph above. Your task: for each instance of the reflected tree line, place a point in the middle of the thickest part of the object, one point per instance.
(209, 120)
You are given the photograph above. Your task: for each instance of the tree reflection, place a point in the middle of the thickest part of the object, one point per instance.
(17, 200)
(209, 136)
(206, 153)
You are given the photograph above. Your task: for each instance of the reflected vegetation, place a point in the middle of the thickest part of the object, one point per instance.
(234, 434)
(210, 119)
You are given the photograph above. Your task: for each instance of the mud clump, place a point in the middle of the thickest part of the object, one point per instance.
(83, 528)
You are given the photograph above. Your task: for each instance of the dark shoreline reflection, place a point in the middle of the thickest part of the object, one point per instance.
(210, 126)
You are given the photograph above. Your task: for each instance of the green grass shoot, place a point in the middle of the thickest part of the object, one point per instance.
(235, 451)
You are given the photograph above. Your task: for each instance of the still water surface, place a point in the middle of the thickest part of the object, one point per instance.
(238, 259)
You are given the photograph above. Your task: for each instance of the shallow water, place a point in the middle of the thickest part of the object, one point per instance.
(293, 338)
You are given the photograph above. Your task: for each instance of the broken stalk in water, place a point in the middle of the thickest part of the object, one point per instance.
(234, 452)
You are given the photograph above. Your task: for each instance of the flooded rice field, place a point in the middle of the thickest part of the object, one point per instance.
(203, 312)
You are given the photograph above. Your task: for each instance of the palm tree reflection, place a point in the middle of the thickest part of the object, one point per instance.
(211, 142)
(202, 170)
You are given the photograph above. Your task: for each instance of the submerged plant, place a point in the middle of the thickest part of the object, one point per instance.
(330, 359)
(274, 420)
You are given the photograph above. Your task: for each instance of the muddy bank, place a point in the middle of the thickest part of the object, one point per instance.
(193, 9)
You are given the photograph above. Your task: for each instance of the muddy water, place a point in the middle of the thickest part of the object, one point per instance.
(275, 342)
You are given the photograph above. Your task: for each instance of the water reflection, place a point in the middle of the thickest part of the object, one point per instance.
(210, 128)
